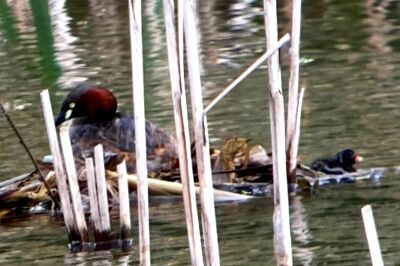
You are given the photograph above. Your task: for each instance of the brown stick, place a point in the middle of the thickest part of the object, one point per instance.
(15, 180)
(21, 140)
(256, 169)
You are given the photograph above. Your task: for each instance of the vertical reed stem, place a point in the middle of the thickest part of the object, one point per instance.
(282, 239)
(102, 193)
(73, 184)
(294, 147)
(182, 133)
(124, 211)
(135, 19)
(292, 123)
(62, 186)
(201, 134)
(93, 199)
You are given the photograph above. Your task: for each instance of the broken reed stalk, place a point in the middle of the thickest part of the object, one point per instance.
(292, 113)
(124, 211)
(372, 236)
(248, 71)
(93, 199)
(62, 186)
(73, 184)
(135, 26)
(282, 238)
(294, 147)
(162, 187)
(102, 199)
(21, 140)
(200, 128)
(15, 180)
(183, 139)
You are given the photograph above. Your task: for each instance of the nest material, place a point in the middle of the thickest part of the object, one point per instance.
(235, 163)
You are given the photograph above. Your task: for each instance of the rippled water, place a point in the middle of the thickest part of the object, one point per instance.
(351, 61)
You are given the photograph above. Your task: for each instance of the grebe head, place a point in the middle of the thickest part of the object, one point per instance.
(96, 103)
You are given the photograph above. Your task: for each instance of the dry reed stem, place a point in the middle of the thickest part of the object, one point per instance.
(73, 184)
(101, 185)
(282, 238)
(135, 23)
(372, 236)
(200, 128)
(292, 114)
(183, 139)
(124, 210)
(248, 71)
(58, 167)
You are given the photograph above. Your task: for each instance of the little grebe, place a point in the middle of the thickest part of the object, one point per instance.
(95, 120)
(342, 163)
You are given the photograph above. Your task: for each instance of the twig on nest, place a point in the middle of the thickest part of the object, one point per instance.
(21, 140)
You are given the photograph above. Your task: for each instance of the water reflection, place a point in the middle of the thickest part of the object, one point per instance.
(351, 101)
(95, 257)
(301, 235)
(66, 56)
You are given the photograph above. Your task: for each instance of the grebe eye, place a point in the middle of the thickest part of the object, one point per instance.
(72, 105)
(68, 114)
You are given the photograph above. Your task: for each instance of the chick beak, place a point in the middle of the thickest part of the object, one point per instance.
(358, 158)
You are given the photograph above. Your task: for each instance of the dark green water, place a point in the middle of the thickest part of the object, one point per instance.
(350, 51)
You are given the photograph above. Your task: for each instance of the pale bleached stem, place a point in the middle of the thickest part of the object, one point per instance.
(124, 210)
(248, 71)
(182, 135)
(135, 23)
(200, 128)
(282, 238)
(62, 186)
(372, 236)
(73, 184)
(292, 112)
(101, 185)
(93, 198)
(296, 137)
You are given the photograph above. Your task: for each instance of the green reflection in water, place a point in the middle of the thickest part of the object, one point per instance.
(7, 23)
(42, 22)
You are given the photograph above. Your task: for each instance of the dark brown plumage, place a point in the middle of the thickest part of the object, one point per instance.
(96, 121)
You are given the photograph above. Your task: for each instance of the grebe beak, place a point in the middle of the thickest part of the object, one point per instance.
(63, 117)
(59, 119)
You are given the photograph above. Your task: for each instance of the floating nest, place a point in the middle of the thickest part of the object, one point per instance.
(237, 168)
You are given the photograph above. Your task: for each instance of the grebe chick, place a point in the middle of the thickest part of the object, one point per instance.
(343, 162)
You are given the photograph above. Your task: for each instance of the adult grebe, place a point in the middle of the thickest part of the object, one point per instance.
(95, 120)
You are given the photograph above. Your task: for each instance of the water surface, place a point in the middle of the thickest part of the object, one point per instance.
(351, 61)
